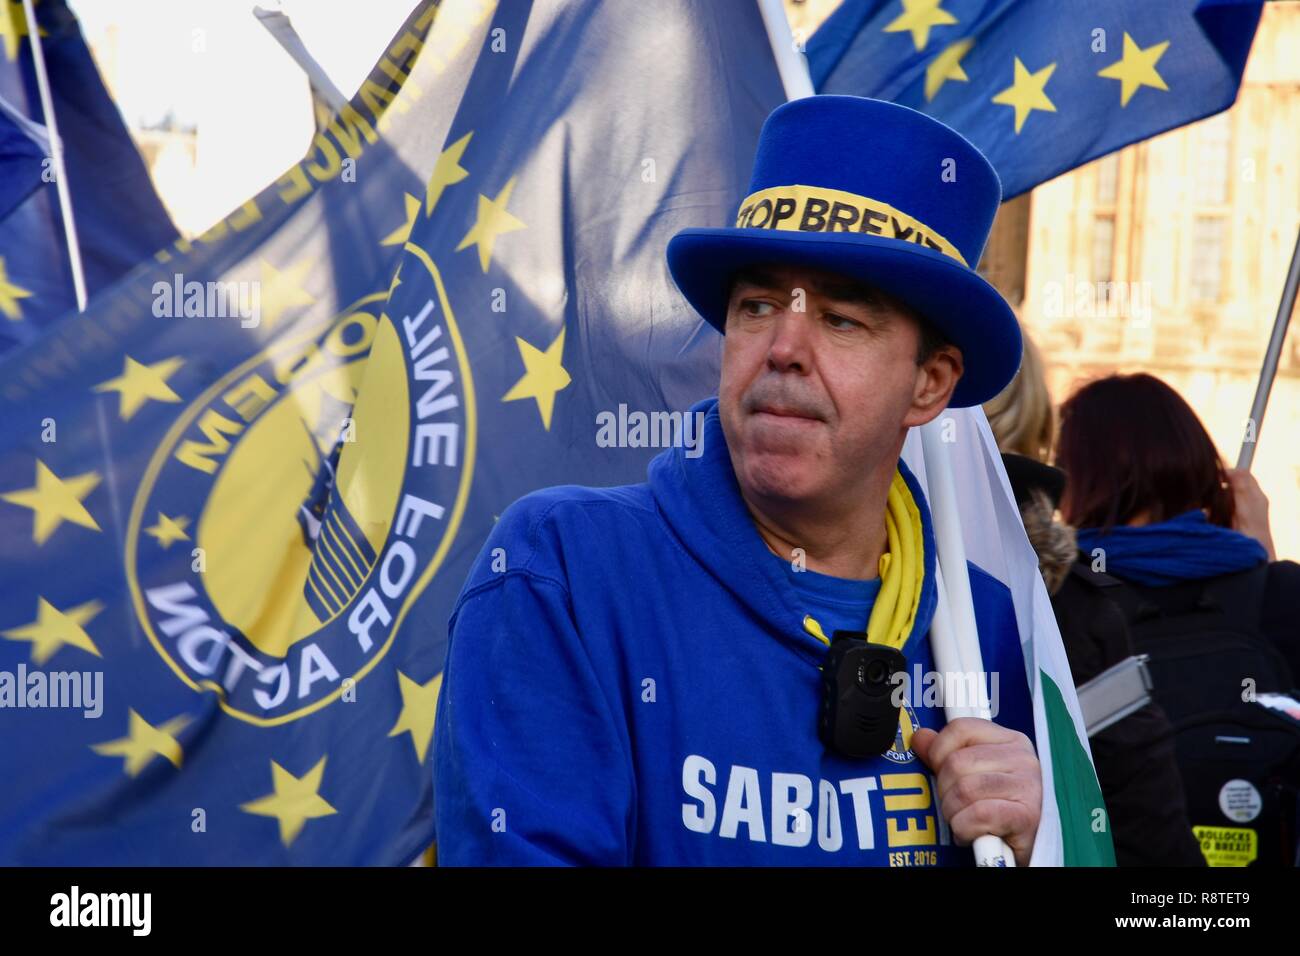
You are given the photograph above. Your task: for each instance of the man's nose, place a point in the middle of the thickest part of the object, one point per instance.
(791, 342)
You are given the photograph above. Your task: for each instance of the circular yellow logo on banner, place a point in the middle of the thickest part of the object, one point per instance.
(296, 508)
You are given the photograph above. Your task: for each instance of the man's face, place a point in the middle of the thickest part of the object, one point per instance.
(820, 383)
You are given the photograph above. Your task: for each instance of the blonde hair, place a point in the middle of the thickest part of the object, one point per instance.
(1021, 415)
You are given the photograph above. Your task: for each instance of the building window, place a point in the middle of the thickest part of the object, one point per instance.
(1103, 256)
(1107, 179)
(1213, 152)
(1209, 235)
(1102, 259)
(1211, 160)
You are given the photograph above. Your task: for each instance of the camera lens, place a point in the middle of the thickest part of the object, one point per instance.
(877, 672)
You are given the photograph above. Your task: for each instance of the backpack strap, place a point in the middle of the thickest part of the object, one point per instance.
(1082, 570)
(1240, 594)
(1130, 603)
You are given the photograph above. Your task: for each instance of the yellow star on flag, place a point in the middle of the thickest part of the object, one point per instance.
(169, 530)
(13, 26)
(493, 220)
(143, 742)
(447, 171)
(282, 290)
(54, 500)
(1136, 68)
(947, 66)
(53, 629)
(403, 232)
(139, 383)
(10, 293)
(918, 17)
(294, 801)
(543, 376)
(419, 704)
(1028, 92)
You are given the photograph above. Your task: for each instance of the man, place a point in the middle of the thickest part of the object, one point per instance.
(634, 674)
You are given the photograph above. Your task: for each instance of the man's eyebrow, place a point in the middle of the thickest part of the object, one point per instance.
(759, 277)
(841, 290)
(846, 290)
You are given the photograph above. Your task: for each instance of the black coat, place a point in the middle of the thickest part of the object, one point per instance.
(1280, 622)
(1134, 757)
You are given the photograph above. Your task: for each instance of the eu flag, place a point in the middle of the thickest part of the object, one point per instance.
(1040, 86)
(120, 219)
(22, 148)
(253, 519)
(171, 690)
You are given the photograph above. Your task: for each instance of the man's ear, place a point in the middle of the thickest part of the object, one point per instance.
(936, 378)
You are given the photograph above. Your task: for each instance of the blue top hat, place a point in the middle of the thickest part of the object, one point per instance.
(878, 192)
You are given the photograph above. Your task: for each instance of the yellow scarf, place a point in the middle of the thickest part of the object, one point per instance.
(902, 571)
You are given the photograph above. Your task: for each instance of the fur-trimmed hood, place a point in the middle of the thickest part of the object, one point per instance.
(1053, 541)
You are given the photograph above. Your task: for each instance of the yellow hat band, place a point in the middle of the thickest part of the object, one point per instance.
(815, 209)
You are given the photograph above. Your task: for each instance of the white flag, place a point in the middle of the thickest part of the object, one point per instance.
(1074, 829)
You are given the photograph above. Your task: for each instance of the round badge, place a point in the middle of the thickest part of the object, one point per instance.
(289, 518)
(1240, 801)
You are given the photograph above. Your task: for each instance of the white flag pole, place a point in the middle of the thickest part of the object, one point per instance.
(953, 635)
(1269, 369)
(955, 639)
(278, 24)
(790, 63)
(56, 153)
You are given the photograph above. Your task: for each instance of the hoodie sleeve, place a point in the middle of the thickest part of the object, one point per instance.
(531, 765)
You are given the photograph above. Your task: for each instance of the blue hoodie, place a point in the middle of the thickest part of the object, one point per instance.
(629, 681)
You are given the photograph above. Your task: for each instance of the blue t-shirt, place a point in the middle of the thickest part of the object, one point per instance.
(837, 604)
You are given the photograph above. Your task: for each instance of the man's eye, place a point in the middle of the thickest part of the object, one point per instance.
(757, 307)
(840, 322)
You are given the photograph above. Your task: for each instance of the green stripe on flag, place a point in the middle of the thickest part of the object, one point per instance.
(1085, 835)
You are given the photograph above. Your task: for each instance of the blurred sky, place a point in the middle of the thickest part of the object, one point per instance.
(210, 64)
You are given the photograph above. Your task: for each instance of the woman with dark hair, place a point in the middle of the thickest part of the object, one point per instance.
(1149, 495)
(1178, 547)
(1134, 756)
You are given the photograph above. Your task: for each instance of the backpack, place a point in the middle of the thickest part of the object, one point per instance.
(1240, 761)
